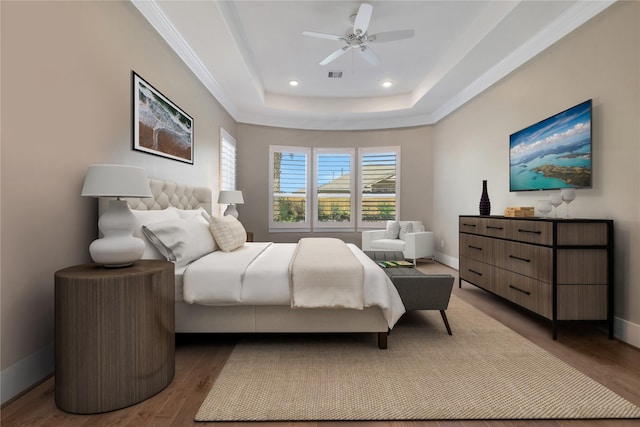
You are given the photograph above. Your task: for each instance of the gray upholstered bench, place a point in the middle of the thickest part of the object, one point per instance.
(417, 290)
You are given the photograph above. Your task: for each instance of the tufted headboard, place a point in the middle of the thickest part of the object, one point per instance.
(165, 194)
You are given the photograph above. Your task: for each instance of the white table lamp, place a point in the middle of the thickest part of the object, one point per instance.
(231, 198)
(117, 247)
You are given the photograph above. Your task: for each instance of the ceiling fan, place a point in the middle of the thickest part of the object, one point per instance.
(358, 37)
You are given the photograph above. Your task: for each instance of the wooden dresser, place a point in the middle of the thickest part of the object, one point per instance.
(561, 269)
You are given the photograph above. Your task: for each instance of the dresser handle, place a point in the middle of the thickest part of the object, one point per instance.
(520, 230)
(493, 227)
(475, 247)
(519, 258)
(520, 290)
(474, 272)
(468, 225)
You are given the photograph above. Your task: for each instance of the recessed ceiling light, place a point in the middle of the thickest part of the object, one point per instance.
(293, 83)
(387, 83)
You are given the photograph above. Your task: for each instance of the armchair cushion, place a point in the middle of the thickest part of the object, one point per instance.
(393, 230)
(405, 228)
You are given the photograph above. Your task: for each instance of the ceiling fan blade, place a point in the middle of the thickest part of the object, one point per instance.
(369, 55)
(361, 23)
(335, 55)
(391, 36)
(322, 35)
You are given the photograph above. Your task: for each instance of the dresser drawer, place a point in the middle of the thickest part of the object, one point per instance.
(532, 261)
(496, 227)
(529, 293)
(476, 272)
(470, 225)
(477, 247)
(539, 232)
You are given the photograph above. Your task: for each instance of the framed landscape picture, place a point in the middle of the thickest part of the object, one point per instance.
(160, 127)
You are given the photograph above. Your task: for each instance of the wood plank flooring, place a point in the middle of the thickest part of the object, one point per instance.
(199, 360)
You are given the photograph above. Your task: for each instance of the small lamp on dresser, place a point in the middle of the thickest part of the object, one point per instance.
(231, 198)
(118, 247)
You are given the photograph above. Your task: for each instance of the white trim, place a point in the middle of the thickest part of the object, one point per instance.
(447, 260)
(626, 331)
(23, 374)
(571, 19)
(328, 226)
(363, 151)
(300, 226)
(159, 21)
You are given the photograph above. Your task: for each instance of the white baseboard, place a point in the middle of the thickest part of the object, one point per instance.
(27, 372)
(447, 260)
(626, 331)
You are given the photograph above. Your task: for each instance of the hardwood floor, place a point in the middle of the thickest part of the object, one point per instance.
(199, 359)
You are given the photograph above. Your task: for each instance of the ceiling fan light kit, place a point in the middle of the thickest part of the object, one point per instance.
(358, 37)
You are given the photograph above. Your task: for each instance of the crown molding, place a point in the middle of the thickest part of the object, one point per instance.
(159, 21)
(572, 18)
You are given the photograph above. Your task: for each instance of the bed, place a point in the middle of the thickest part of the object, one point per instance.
(253, 281)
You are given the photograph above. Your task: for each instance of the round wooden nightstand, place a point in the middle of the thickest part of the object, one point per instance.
(115, 335)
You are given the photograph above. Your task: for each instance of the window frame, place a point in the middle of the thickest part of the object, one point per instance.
(290, 226)
(226, 139)
(362, 152)
(328, 226)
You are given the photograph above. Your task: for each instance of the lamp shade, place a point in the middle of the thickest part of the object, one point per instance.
(228, 197)
(116, 181)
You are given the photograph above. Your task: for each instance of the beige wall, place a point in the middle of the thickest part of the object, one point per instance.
(253, 175)
(66, 103)
(600, 60)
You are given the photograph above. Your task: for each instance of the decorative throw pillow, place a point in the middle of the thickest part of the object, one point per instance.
(417, 227)
(393, 230)
(181, 240)
(228, 232)
(405, 228)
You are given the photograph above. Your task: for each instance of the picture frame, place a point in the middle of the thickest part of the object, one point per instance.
(160, 127)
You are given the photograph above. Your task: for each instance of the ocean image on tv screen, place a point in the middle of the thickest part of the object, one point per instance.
(554, 153)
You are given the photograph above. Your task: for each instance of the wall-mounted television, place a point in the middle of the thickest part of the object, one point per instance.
(553, 153)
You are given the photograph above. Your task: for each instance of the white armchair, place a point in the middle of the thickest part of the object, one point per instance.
(406, 236)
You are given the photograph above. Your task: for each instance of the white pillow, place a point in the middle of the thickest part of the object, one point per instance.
(191, 213)
(405, 228)
(417, 226)
(181, 240)
(149, 217)
(228, 232)
(393, 229)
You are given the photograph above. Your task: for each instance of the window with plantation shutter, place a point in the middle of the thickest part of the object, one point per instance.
(334, 186)
(333, 189)
(227, 161)
(379, 186)
(289, 182)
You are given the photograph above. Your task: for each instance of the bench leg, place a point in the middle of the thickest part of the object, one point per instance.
(446, 322)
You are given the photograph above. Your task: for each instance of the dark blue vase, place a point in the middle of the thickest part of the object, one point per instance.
(485, 204)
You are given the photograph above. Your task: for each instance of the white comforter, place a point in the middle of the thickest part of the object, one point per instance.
(258, 274)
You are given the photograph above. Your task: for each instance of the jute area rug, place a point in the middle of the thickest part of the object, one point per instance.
(483, 371)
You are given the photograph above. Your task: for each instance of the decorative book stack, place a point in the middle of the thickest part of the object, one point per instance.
(519, 211)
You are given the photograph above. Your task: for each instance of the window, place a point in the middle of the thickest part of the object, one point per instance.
(228, 162)
(330, 201)
(379, 186)
(289, 182)
(334, 186)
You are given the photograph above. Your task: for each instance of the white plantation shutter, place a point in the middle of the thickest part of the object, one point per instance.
(289, 174)
(334, 186)
(228, 161)
(379, 186)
